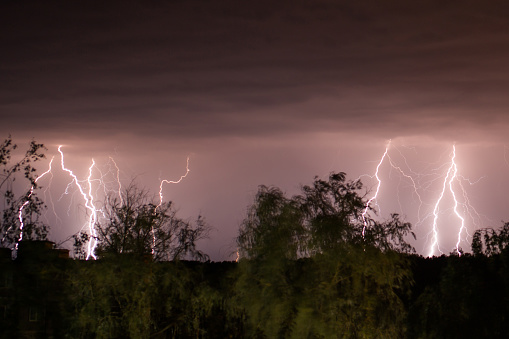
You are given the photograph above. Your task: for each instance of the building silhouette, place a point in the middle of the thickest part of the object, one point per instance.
(31, 290)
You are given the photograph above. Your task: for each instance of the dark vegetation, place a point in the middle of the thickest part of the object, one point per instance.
(311, 266)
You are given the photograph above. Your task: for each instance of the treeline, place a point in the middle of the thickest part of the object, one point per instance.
(459, 297)
(129, 297)
(314, 265)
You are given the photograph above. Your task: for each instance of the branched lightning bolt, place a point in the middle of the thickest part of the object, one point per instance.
(373, 198)
(452, 182)
(472, 212)
(89, 203)
(93, 217)
(89, 195)
(165, 181)
(393, 165)
(20, 211)
(90, 188)
(451, 176)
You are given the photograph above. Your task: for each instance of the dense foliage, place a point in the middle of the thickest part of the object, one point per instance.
(124, 297)
(316, 265)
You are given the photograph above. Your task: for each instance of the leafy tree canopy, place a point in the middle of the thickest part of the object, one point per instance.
(134, 224)
(317, 265)
(325, 218)
(488, 241)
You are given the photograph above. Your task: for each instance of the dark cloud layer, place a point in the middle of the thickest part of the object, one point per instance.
(195, 68)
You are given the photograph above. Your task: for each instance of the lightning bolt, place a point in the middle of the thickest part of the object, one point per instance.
(89, 203)
(373, 198)
(451, 176)
(415, 186)
(96, 184)
(22, 207)
(452, 184)
(165, 181)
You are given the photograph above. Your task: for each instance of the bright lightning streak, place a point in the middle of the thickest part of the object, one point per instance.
(455, 172)
(93, 217)
(165, 181)
(451, 176)
(402, 173)
(373, 198)
(89, 204)
(472, 212)
(20, 212)
(452, 183)
(434, 230)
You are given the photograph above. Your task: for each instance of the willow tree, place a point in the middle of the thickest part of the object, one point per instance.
(316, 265)
(488, 241)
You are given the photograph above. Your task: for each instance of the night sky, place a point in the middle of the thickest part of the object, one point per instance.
(265, 92)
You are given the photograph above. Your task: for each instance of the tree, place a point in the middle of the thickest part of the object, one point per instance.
(273, 227)
(133, 224)
(271, 238)
(25, 197)
(139, 287)
(488, 241)
(312, 266)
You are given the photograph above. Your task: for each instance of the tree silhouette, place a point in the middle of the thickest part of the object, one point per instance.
(307, 269)
(135, 225)
(487, 241)
(14, 196)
